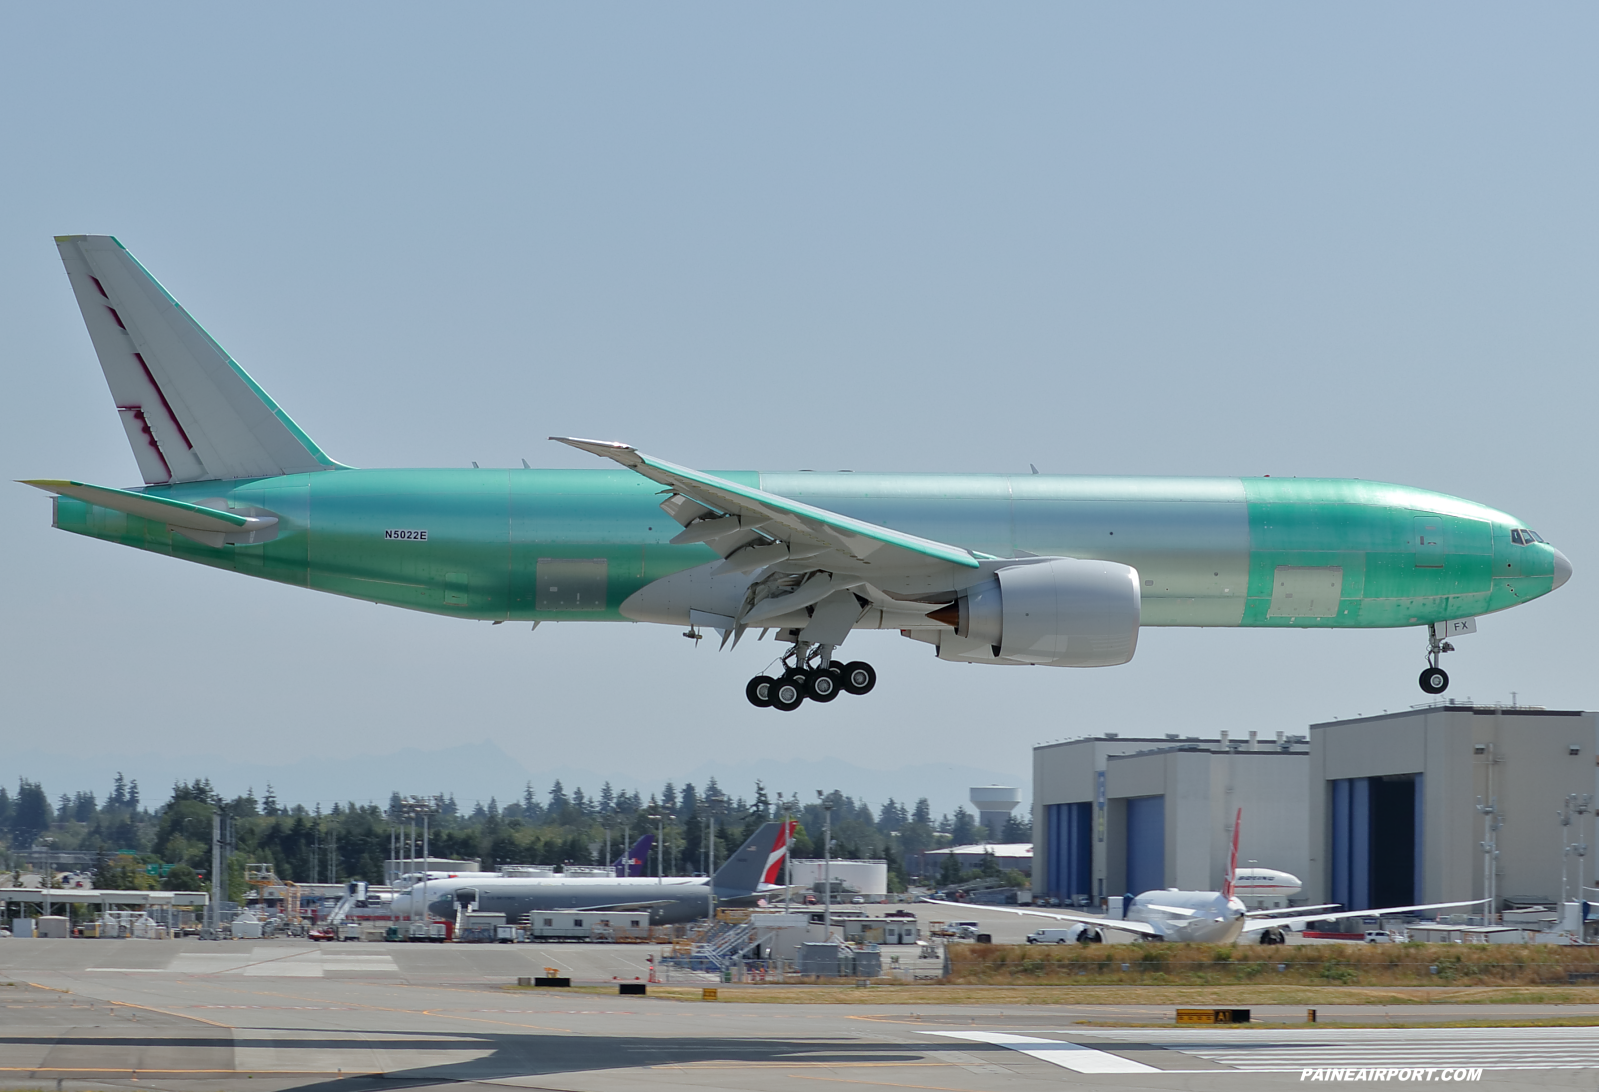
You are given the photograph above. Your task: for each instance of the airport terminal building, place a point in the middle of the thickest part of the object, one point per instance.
(1396, 805)
(1114, 815)
(1437, 803)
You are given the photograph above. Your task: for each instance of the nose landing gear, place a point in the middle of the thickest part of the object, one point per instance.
(1435, 680)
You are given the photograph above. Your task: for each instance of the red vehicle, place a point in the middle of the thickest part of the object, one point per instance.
(323, 932)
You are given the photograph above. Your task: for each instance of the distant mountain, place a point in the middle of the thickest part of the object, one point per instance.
(477, 771)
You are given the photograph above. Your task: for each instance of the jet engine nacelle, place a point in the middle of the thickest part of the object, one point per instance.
(1060, 611)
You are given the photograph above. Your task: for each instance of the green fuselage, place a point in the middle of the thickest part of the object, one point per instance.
(574, 544)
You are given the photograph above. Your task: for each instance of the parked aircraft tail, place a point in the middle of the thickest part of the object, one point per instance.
(1231, 879)
(632, 863)
(190, 412)
(757, 858)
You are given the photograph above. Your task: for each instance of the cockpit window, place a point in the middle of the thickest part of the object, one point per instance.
(1523, 537)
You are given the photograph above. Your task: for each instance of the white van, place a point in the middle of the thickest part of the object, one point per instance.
(1380, 936)
(1054, 936)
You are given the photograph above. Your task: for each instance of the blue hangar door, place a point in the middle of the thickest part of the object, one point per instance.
(1146, 844)
(1377, 836)
(1069, 871)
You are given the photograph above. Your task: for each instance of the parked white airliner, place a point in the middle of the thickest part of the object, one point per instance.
(1211, 917)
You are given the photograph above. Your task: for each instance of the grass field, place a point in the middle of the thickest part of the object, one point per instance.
(1427, 965)
(1200, 996)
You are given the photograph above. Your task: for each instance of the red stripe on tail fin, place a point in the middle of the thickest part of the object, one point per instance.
(774, 860)
(1232, 862)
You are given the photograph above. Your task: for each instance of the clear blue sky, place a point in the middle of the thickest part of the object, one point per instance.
(1349, 240)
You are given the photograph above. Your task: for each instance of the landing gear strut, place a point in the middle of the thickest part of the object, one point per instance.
(1435, 680)
(809, 672)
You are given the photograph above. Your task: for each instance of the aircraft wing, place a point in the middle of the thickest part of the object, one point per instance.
(1291, 910)
(1141, 928)
(1298, 921)
(622, 907)
(750, 527)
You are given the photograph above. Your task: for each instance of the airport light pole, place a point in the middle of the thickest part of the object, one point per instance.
(827, 863)
(788, 852)
(1577, 806)
(660, 818)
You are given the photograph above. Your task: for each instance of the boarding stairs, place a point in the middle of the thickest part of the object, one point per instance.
(718, 948)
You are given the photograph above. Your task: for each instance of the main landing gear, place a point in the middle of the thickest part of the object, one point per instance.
(1435, 680)
(812, 674)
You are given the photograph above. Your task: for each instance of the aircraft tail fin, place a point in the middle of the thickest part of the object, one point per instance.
(1232, 862)
(632, 862)
(747, 869)
(190, 412)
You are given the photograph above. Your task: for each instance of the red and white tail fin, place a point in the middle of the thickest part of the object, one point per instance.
(774, 859)
(1232, 861)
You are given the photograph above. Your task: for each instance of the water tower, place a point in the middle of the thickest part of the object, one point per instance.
(994, 803)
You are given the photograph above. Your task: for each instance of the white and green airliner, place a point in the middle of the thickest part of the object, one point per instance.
(1056, 570)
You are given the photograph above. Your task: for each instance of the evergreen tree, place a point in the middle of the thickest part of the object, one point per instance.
(269, 802)
(559, 801)
(30, 815)
(607, 799)
(763, 804)
(964, 829)
(922, 813)
(119, 792)
(949, 871)
(133, 795)
(669, 798)
(1016, 829)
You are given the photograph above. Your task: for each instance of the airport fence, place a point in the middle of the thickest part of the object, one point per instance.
(1320, 965)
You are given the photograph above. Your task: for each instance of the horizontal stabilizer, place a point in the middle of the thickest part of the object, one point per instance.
(190, 412)
(210, 526)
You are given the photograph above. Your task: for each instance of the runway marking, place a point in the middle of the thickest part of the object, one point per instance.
(1252, 1050)
(1073, 1056)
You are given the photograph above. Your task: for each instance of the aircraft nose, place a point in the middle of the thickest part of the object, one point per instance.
(1562, 569)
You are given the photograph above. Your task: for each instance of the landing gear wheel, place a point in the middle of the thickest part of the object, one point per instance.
(823, 686)
(759, 691)
(787, 694)
(1434, 680)
(859, 677)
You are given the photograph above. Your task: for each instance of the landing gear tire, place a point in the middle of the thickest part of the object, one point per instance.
(1272, 936)
(859, 677)
(1434, 680)
(823, 686)
(788, 693)
(759, 691)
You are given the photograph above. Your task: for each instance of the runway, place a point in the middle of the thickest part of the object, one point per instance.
(352, 1018)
